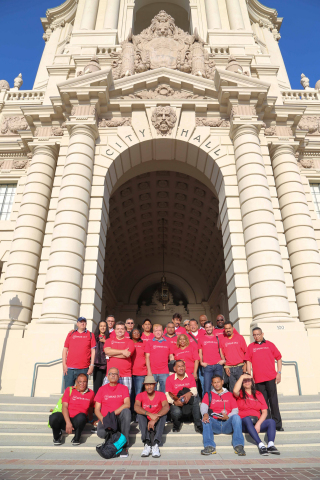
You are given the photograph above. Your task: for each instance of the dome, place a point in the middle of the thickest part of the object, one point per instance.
(93, 66)
(317, 87)
(4, 85)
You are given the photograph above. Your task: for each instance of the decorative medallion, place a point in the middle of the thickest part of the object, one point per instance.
(164, 119)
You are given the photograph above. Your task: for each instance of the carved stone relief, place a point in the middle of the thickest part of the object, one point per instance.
(163, 44)
(312, 124)
(14, 164)
(247, 110)
(163, 91)
(306, 163)
(115, 122)
(212, 122)
(164, 119)
(11, 125)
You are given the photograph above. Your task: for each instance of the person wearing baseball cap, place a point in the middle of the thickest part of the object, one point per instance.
(78, 353)
(151, 407)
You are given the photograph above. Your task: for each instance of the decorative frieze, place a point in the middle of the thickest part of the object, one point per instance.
(11, 125)
(163, 91)
(164, 119)
(14, 163)
(306, 163)
(115, 122)
(311, 124)
(212, 122)
(46, 132)
(276, 130)
(245, 110)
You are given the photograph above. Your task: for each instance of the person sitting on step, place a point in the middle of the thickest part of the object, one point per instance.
(77, 404)
(253, 411)
(151, 407)
(220, 415)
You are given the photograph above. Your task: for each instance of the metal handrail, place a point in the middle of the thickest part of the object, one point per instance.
(292, 362)
(36, 365)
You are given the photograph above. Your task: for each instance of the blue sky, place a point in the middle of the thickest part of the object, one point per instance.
(22, 45)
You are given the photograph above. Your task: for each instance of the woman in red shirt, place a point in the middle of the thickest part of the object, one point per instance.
(100, 361)
(188, 352)
(139, 368)
(253, 411)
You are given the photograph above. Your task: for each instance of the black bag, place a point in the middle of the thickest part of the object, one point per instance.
(187, 408)
(254, 419)
(112, 446)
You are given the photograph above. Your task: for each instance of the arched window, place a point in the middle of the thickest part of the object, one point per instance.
(145, 11)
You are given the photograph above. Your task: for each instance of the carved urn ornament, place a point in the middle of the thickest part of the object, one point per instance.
(18, 82)
(233, 65)
(163, 44)
(164, 119)
(4, 85)
(305, 82)
(317, 86)
(93, 66)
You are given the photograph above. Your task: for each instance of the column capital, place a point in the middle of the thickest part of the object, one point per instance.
(83, 117)
(244, 127)
(279, 148)
(50, 147)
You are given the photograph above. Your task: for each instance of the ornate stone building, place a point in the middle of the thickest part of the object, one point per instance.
(160, 139)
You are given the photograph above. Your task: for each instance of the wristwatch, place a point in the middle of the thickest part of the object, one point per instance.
(279, 372)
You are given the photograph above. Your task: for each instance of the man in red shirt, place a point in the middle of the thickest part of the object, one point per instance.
(151, 408)
(77, 404)
(178, 401)
(202, 320)
(219, 328)
(261, 355)
(78, 353)
(119, 351)
(176, 320)
(110, 322)
(157, 357)
(211, 357)
(170, 333)
(114, 397)
(195, 334)
(129, 325)
(220, 415)
(147, 334)
(233, 347)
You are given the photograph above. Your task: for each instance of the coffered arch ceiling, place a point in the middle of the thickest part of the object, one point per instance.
(193, 243)
(146, 10)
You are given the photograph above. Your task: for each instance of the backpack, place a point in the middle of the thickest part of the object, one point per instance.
(112, 447)
(58, 407)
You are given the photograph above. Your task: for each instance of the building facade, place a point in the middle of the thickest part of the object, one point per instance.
(160, 139)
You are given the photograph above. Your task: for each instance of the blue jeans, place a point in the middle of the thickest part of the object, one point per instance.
(208, 372)
(161, 378)
(72, 374)
(201, 379)
(233, 424)
(268, 426)
(137, 382)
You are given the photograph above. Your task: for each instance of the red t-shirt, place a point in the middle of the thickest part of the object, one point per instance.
(174, 385)
(262, 357)
(178, 331)
(233, 349)
(147, 338)
(152, 406)
(111, 398)
(79, 347)
(189, 355)
(113, 334)
(210, 349)
(139, 360)
(171, 340)
(78, 402)
(123, 364)
(250, 406)
(159, 355)
(201, 334)
(219, 402)
(218, 332)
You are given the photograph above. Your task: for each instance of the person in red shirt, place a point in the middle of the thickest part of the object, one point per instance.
(129, 323)
(260, 356)
(78, 353)
(77, 404)
(111, 323)
(139, 367)
(195, 334)
(170, 334)
(219, 328)
(176, 320)
(219, 412)
(114, 397)
(253, 411)
(233, 347)
(211, 357)
(120, 350)
(147, 333)
(182, 395)
(188, 352)
(151, 408)
(100, 362)
(202, 320)
(157, 357)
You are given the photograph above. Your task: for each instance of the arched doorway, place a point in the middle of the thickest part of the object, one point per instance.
(145, 11)
(175, 210)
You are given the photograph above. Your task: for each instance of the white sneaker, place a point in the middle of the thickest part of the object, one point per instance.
(146, 451)
(156, 451)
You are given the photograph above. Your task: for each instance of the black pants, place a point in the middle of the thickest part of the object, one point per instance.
(58, 423)
(145, 433)
(177, 415)
(269, 391)
(124, 419)
(98, 377)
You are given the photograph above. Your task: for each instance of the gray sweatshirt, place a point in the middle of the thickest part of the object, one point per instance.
(204, 407)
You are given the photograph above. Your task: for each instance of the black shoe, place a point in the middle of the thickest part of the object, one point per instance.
(58, 441)
(199, 429)
(94, 430)
(124, 453)
(75, 442)
(273, 450)
(263, 451)
(280, 429)
(239, 450)
(208, 451)
(176, 429)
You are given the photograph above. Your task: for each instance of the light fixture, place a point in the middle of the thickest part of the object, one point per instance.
(164, 288)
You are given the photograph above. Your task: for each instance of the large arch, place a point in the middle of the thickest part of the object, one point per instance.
(146, 10)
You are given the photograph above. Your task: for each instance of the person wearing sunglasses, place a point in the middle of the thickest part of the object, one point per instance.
(253, 411)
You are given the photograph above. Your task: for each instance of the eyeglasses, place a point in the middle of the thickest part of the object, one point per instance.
(113, 374)
(129, 323)
(247, 379)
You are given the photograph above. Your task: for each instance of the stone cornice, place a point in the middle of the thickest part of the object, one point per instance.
(259, 12)
(64, 12)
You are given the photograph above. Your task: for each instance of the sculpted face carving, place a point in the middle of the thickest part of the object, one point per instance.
(163, 120)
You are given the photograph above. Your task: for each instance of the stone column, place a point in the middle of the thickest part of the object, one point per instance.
(112, 15)
(213, 15)
(235, 15)
(61, 300)
(89, 15)
(266, 276)
(300, 236)
(22, 269)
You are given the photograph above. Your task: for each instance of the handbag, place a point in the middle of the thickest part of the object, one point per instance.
(58, 407)
(254, 419)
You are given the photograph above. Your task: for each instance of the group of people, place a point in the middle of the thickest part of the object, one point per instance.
(157, 376)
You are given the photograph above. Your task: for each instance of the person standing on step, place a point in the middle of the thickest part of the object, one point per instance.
(202, 320)
(139, 367)
(78, 353)
(176, 320)
(182, 395)
(219, 412)
(219, 328)
(77, 405)
(151, 408)
(170, 334)
(186, 325)
(188, 352)
(261, 356)
(111, 323)
(100, 363)
(233, 347)
(113, 397)
(147, 334)
(253, 411)
(211, 357)
(157, 357)
(195, 334)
